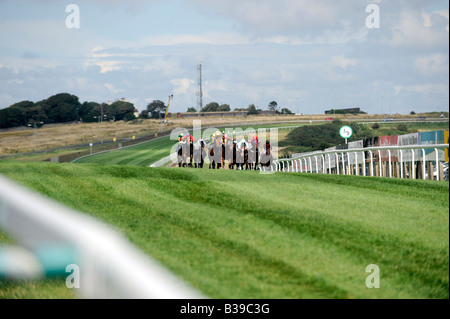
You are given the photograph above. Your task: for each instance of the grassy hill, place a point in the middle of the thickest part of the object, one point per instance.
(246, 235)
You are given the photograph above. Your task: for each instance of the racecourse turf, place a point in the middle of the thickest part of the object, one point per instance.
(142, 154)
(242, 234)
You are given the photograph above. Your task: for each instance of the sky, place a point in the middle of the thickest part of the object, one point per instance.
(386, 57)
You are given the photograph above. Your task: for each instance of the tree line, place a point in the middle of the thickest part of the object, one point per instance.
(251, 109)
(63, 108)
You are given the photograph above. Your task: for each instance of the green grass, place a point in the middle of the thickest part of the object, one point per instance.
(143, 154)
(240, 234)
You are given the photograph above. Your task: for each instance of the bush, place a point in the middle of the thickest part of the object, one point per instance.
(375, 126)
(402, 127)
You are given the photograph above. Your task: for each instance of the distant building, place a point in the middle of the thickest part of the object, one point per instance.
(356, 110)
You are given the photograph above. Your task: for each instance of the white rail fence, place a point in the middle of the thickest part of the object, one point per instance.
(53, 237)
(410, 161)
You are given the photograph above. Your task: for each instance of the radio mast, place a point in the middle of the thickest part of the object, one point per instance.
(199, 91)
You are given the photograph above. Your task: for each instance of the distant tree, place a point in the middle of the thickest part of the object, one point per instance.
(120, 110)
(24, 107)
(35, 114)
(129, 117)
(412, 113)
(273, 106)
(286, 111)
(155, 109)
(191, 109)
(251, 110)
(62, 107)
(10, 117)
(144, 114)
(211, 107)
(88, 110)
(65, 112)
(224, 108)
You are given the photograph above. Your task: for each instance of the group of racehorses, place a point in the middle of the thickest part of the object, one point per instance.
(223, 151)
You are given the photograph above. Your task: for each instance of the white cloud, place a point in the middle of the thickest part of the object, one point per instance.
(217, 38)
(424, 89)
(433, 64)
(105, 66)
(413, 29)
(342, 62)
(182, 86)
(279, 15)
(112, 88)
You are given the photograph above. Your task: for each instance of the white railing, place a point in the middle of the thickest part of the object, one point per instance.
(109, 265)
(368, 162)
(162, 162)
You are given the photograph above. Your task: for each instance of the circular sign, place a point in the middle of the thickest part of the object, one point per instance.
(346, 132)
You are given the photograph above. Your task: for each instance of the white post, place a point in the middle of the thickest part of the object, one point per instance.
(348, 164)
(401, 163)
(356, 164)
(310, 165)
(343, 164)
(390, 165)
(337, 163)
(323, 164)
(317, 165)
(371, 163)
(423, 164)
(364, 163)
(329, 164)
(437, 164)
(379, 160)
(413, 166)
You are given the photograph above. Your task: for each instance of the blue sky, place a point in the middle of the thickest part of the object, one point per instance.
(309, 56)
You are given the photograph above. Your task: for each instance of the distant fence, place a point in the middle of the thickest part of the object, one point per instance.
(55, 237)
(409, 161)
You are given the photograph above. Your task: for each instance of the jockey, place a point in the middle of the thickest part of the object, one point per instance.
(200, 153)
(179, 150)
(243, 143)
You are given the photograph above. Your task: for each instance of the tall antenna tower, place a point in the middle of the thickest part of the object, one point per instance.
(200, 91)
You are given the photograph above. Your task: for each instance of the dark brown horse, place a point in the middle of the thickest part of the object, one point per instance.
(200, 154)
(266, 156)
(215, 153)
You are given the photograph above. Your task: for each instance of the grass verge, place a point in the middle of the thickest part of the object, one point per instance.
(247, 235)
